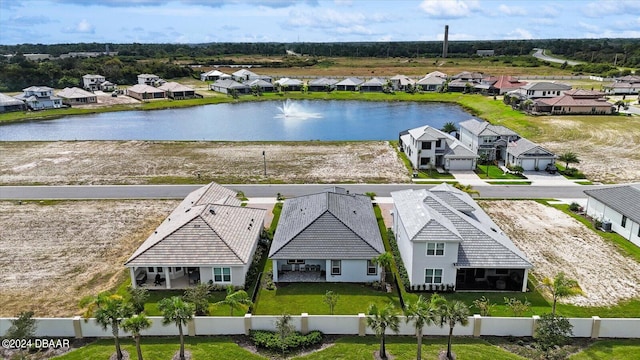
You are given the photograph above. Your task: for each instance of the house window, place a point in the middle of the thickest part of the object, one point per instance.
(426, 145)
(150, 269)
(336, 267)
(433, 276)
(438, 143)
(159, 269)
(425, 161)
(624, 221)
(221, 274)
(295, 261)
(372, 269)
(435, 249)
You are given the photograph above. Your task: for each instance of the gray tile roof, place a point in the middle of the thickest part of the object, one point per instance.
(623, 199)
(6, 100)
(350, 82)
(482, 244)
(373, 82)
(524, 146)
(544, 85)
(323, 82)
(481, 128)
(327, 225)
(229, 84)
(75, 93)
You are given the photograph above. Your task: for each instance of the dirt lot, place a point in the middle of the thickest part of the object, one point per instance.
(556, 242)
(139, 162)
(53, 254)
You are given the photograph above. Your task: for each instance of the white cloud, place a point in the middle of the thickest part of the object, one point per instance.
(83, 27)
(603, 8)
(542, 21)
(331, 18)
(450, 9)
(511, 10)
(589, 27)
(385, 38)
(354, 30)
(519, 34)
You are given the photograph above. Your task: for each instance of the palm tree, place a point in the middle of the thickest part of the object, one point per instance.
(381, 319)
(108, 310)
(423, 313)
(449, 128)
(384, 260)
(569, 158)
(467, 188)
(135, 325)
(560, 287)
(177, 311)
(236, 299)
(452, 313)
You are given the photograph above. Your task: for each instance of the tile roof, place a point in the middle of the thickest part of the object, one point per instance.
(229, 84)
(75, 93)
(142, 88)
(327, 225)
(92, 76)
(216, 73)
(6, 100)
(583, 92)
(244, 73)
(522, 146)
(482, 244)
(484, 128)
(623, 199)
(174, 87)
(38, 89)
(545, 85)
(567, 100)
(289, 82)
(350, 82)
(322, 82)
(373, 82)
(508, 82)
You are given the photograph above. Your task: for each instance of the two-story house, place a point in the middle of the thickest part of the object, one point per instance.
(487, 140)
(544, 89)
(427, 147)
(447, 241)
(150, 79)
(92, 82)
(39, 98)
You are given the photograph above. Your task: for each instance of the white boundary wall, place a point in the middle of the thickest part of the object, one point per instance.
(77, 327)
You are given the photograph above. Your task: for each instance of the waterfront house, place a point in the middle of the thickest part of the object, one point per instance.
(427, 147)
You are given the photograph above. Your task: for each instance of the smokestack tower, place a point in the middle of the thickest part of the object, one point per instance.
(445, 45)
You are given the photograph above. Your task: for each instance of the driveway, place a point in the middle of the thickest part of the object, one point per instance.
(542, 178)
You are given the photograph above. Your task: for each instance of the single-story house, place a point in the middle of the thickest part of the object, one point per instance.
(460, 85)
(506, 83)
(330, 236)
(349, 84)
(627, 85)
(427, 147)
(145, 92)
(214, 75)
(77, 96)
(432, 81)
(290, 84)
(208, 238)
(39, 98)
(8, 103)
(447, 241)
(243, 75)
(402, 82)
(486, 139)
(372, 85)
(322, 84)
(619, 207)
(92, 82)
(264, 86)
(177, 91)
(578, 101)
(107, 86)
(228, 85)
(529, 155)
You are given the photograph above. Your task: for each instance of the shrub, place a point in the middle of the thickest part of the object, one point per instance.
(575, 207)
(272, 341)
(404, 277)
(484, 306)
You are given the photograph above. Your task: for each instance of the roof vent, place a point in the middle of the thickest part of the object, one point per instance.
(155, 232)
(354, 211)
(212, 211)
(168, 219)
(189, 209)
(494, 230)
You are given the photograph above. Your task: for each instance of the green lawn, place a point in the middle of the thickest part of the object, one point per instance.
(433, 174)
(610, 350)
(509, 182)
(494, 173)
(151, 306)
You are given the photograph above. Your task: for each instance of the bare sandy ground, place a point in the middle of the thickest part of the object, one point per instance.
(140, 162)
(52, 255)
(556, 242)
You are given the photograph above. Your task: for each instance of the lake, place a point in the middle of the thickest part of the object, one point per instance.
(248, 121)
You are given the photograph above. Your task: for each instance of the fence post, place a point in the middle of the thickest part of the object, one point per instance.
(77, 327)
(595, 327)
(191, 328)
(536, 318)
(304, 323)
(247, 323)
(477, 325)
(362, 324)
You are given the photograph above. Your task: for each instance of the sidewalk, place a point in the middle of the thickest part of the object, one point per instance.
(537, 178)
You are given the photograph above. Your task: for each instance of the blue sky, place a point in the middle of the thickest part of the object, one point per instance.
(199, 21)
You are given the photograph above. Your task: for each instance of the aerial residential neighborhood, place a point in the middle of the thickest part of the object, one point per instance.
(351, 180)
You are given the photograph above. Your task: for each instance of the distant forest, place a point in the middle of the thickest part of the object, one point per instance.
(17, 72)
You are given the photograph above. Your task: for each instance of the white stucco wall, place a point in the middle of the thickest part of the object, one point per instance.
(404, 245)
(352, 271)
(600, 211)
(421, 262)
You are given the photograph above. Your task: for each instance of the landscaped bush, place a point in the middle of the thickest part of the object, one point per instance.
(573, 173)
(404, 277)
(271, 340)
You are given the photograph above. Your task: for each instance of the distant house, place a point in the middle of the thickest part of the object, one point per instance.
(506, 83)
(76, 96)
(107, 86)
(177, 91)
(487, 140)
(264, 86)
(433, 81)
(529, 155)
(289, 84)
(229, 86)
(349, 84)
(485, 52)
(243, 75)
(150, 79)
(626, 85)
(208, 238)
(620, 207)
(322, 84)
(428, 147)
(145, 92)
(214, 75)
(330, 236)
(401, 82)
(92, 82)
(585, 102)
(447, 242)
(544, 89)
(39, 98)
(8, 103)
(372, 85)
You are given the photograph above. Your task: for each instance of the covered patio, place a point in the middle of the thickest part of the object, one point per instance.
(491, 279)
(298, 270)
(155, 277)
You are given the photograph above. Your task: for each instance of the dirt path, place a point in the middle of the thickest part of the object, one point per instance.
(556, 242)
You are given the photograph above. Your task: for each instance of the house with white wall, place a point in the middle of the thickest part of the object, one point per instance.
(92, 82)
(331, 236)
(150, 79)
(214, 75)
(427, 147)
(77, 96)
(447, 241)
(620, 207)
(544, 89)
(486, 140)
(208, 238)
(39, 98)
(529, 155)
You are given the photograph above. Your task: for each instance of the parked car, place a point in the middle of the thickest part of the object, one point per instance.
(551, 169)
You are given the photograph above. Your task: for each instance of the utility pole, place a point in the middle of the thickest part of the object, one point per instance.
(264, 158)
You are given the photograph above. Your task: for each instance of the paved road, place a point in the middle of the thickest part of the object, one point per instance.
(540, 55)
(180, 191)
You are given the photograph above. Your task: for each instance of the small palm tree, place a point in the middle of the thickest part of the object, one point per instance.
(236, 300)
(560, 287)
(452, 313)
(449, 127)
(135, 324)
(384, 260)
(379, 319)
(108, 310)
(177, 311)
(569, 158)
(422, 313)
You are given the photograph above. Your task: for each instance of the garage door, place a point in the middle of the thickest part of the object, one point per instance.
(460, 164)
(542, 163)
(529, 164)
